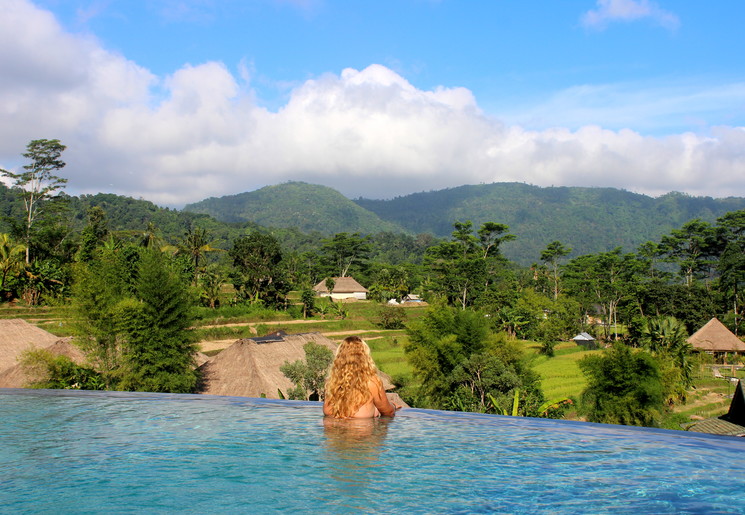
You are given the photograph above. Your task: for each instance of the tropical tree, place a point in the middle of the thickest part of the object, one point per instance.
(37, 184)
(389, 283)
(159, 347)
(691, 247)
(344, 251)
(211, 282)
(731, 264)
(195, 244)
(623, 387)
(466, 266)
(99, 286)
(462, 364)
(94, 233)
(259, 273)
(552, 255)
(309, 376)
(603, 279)
(11, 259)
(666, 336)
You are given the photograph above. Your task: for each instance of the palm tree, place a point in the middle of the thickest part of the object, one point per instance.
(667, 335)
(195, 244)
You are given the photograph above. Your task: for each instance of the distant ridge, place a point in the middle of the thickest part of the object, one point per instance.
(588, 220)
(307, 207)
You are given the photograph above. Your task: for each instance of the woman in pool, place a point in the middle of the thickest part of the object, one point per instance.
(353, 389)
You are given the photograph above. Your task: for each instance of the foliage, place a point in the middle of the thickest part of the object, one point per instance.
(666, 336)
(691, 247)
(345, 253)
(462, 364)
(11, 260)
(134, 326)
(308, 298)
(552, 255)
(624, 387)
(260, 276)
(60, 372)
(211, 283)
(159, 350)
(94, 234)
(389, 283)
(464, 268)
(391, 317)
(196, 244)
(38, 185)
(309, 376)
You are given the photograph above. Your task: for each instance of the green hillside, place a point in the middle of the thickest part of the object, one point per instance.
(587, 219)
(306, 207)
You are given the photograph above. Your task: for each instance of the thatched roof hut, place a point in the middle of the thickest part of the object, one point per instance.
(344, 288)
(18, 336)
(716, 338)
(250, 367)
(19, 376)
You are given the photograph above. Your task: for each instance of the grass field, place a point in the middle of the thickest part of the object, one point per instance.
(561, 376)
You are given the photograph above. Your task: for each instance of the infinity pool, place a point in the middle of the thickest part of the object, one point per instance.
(88, 452)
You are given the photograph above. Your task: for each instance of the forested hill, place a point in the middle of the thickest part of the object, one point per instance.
(306, 207)
(300, 215)
(587, 219)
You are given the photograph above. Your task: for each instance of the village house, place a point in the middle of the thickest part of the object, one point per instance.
(344, 288)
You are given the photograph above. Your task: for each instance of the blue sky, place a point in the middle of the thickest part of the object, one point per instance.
(175, 101)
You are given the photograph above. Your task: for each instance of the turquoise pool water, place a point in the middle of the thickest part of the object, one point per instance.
(92, 452)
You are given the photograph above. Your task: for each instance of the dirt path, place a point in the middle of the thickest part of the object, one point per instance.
(252, 325)
(212, 345)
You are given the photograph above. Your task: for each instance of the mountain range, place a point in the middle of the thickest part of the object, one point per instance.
(588, 220)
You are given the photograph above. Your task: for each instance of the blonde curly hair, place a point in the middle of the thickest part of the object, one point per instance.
(347, 386)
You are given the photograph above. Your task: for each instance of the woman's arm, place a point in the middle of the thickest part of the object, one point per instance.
(327, 409)
(385, 407)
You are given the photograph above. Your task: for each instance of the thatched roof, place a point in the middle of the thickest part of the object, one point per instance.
(341, 285)
(715, 337)
(250, 369)
(18, 336)
(19, 376)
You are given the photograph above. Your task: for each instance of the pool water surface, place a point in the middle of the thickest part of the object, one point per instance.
(91, 452)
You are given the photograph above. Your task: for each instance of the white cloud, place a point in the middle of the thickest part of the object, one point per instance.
(628, 10)
(198, 132)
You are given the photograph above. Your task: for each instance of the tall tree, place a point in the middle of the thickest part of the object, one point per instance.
(691, 247)
(195, 244)
(603, 279)
(344, 251)
(551, 255)
(731, 264)
(260, 274)
(159, 350)
(94, 233)
(466, 266)
(38, 184)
